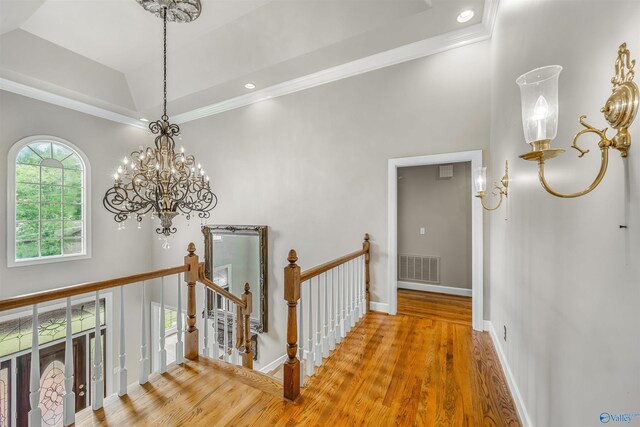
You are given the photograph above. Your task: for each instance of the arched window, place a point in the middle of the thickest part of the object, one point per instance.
(47, 202)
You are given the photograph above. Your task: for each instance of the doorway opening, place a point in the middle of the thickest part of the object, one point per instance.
(435, 234)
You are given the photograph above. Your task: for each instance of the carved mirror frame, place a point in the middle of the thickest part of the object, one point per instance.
(259, 325)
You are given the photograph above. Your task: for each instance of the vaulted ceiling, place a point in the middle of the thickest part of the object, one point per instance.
(107, 54)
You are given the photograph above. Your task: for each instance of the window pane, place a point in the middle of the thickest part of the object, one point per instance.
(60, 152)
(50, 247)
(51, 211)
(51, 175)
(51, 194)
(72, 246)
(27, 250)
(29, 230)
(51, 392)
(73, 178)
(72, 194)
(72, 229)
(72, 212)
(72, 162)
(42, 148)
(30, 211)
(51, 229)
(28, 173)
(27, 192)
(26, 155)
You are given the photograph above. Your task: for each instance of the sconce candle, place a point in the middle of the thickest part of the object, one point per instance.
(539, 94)
(480, 179)
(539, 91)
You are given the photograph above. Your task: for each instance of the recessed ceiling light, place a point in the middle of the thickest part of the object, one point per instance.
(465, 15)
(142, 119)
(250, 86)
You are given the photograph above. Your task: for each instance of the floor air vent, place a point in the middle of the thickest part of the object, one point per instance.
(419, 268)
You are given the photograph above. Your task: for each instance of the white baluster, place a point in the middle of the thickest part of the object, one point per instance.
(234, 334)
(352, 291)
(358, 289)
(318, 340)
(35, 414)
(179, 343)
(363, 298)
(310, 350)
(69, 399)
(216, 346)
(301, 335)
(336, 325)
(97, 383)
(332, 309)
(225, 356)
(163, 350)
(325, 319)
(143, 363)
(122, 357)
(205, 319)
(345, 296)
(343, 303)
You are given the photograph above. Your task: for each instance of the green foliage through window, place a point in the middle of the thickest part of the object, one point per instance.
(49, 201)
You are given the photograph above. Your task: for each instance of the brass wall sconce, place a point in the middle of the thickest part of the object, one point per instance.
(480, 181)
(539, 93)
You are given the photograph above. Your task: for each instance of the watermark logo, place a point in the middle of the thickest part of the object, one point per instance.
(626, 417)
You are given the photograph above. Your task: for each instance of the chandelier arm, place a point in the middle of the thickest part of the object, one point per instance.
(603, 169)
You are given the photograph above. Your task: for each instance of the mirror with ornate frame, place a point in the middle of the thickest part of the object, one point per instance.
(239, 257)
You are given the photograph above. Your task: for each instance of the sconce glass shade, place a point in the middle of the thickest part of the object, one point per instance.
(539, 95)
(480, 179)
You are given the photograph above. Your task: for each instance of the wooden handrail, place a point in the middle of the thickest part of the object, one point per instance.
(322, 268)
(209, 284)
(83, 288)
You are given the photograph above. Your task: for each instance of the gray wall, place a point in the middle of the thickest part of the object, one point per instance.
(565, 279)
(113, 253)
(313, 165)
(443, 207)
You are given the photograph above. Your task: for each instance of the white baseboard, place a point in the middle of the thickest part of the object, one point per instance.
(434, 288)
(513, 386)
(379, 306)
(273, 365)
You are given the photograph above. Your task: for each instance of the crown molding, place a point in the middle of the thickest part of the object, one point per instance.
(72, 104)
(451, 40)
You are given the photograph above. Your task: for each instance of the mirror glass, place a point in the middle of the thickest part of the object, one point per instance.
(235, 255)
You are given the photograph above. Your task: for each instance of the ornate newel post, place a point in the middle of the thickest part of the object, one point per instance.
(292, 295)
(191, 277)
(247, 356)
(365, 246)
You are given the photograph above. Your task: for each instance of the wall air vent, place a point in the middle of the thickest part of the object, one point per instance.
(418, 268)
(446, 171)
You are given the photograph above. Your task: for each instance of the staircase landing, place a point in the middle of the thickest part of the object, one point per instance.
(199, 392)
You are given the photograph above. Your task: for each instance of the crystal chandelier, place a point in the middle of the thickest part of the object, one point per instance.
(160, 180)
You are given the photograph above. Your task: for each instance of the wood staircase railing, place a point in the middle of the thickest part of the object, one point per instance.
(193, 272)
(342, 299)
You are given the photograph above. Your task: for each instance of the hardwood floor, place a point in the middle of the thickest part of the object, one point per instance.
(391, 370)
(431, 305)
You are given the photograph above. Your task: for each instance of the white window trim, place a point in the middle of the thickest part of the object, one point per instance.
(11, 204)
